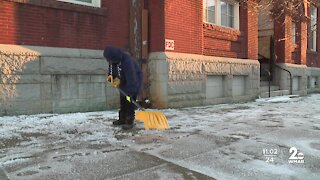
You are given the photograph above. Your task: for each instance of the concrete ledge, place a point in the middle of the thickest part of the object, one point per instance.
(296, 68)
(47, 79)
(196, 57)
(51, 51)
(179, 80)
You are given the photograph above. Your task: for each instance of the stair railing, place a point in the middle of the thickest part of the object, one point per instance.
(269, 80)
(273, 58)
(291, 79)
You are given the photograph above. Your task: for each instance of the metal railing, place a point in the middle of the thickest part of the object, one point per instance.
(291, 79)
(269, 80)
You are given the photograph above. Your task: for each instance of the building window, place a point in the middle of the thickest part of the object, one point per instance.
(222, 12)
(227, 14)
(293, 33)
(211, 11)
(94, 3)
(313, 34)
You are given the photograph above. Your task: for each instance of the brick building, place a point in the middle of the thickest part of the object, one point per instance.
(294, 62)
(193, 52)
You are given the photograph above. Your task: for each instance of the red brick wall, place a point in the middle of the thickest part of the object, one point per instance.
(300, 53)
(183, 24)
(249, 29)
(7, 28)
(282, 32)
(313, 58)
(299, 56)
(116, 29)
(156, 25)
(252, 33)
(58, 24)
(221, 41)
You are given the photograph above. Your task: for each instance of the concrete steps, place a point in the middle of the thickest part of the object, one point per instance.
(264, 78)
(264, 83)
(274, 93)
(266, 88)
(274, 90)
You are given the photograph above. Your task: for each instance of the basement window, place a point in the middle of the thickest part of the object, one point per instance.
(94, 3)
(222, 12)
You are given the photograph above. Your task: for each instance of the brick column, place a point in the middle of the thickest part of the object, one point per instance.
(249, 27)
(282, 36)
(302, 42)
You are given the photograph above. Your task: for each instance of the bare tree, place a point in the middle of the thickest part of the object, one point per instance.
(277, 9)
(294, 8)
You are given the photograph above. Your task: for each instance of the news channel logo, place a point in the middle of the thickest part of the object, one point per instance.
(271, 154)
(296, 156)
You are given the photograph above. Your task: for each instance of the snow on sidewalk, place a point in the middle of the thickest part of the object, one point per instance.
(233, 134)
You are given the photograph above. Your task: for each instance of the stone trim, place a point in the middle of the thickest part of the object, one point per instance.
(51, 51)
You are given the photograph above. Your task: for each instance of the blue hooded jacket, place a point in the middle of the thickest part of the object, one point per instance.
(121, 65)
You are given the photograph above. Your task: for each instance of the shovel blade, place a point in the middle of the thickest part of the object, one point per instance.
(152, 120)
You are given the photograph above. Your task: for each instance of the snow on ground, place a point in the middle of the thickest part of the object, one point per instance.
(233, 135)
(185, 119)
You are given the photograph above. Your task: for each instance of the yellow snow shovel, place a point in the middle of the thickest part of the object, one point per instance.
(151, 119)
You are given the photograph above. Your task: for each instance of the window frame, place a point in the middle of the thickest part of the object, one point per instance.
(95, 3)
(227, 14)
(206, 11)
(218, 13)
(293, 32)
(313, 29)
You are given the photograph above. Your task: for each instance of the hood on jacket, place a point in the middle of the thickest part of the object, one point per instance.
(113, 54)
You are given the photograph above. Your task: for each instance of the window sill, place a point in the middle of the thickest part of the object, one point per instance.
(311, 52)
(220, 32)
(222, 29)
(63, 6)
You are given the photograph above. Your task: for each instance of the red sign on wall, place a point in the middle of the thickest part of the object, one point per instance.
(169, 44)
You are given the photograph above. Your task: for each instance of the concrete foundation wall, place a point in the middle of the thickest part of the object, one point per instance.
(62, 80)
(53, 80)
(313, 85)
(299, 78)
(180, 80)
(305, 79)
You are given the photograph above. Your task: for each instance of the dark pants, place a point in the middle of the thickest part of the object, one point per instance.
(127, 110)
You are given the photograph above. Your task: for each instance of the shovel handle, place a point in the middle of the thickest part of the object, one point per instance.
(130, 99)
(126, 95)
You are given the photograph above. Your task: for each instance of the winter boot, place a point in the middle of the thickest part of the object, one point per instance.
(121, 120)
(129, 123)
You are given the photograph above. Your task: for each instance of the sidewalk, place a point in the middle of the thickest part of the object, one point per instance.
(230, 141)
